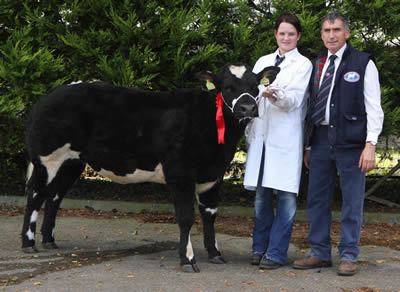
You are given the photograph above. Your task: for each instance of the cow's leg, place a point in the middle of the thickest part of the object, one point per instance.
(65, 177)
(36, 195)
(208, 202)
(183, 194)
(169, 140)
(40, 189)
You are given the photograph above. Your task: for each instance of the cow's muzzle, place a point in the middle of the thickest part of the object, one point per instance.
(245, 106)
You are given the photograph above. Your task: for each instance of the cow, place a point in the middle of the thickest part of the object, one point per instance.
(178, 138)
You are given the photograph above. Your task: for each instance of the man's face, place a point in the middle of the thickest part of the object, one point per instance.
(334, 35)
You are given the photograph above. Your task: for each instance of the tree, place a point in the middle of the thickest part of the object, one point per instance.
(159, 45)
(374, 29)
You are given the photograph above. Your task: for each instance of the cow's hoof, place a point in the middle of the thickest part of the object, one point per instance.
(217, 260)
(190, 268)
(30, 249)
(49, 245)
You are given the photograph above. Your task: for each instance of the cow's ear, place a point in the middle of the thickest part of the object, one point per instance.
(268, 75)
(207, 80)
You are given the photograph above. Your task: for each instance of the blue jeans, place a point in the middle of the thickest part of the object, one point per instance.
(325, 162)
(271, 233)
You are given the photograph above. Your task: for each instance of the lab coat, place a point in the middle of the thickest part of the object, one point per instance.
(279, 126)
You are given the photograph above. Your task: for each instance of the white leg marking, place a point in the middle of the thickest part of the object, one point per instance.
(212, 211)
(30, 234)
(54, 160)
(34, 195)
(238, 71)
(189, 250)
(216, 245)
(56, 197)
(29, 171)
(34, 216)
(137, 176)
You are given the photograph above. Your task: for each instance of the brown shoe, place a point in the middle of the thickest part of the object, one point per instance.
(347, 268)
(311, 262)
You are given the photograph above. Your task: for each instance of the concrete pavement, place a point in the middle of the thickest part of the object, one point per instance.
(127, 255)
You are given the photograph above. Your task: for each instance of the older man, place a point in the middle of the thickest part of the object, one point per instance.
(343, 124)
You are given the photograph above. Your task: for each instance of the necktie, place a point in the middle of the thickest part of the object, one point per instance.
(320, 105)
(279, 60)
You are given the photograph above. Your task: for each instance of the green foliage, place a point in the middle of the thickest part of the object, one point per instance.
(25, 75)
(159, 45)
(12, 167)
(374, 27)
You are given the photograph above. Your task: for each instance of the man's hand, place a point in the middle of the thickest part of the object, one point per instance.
(367, 158)
(307, 158)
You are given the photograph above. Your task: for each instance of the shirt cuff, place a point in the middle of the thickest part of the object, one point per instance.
(373, 137)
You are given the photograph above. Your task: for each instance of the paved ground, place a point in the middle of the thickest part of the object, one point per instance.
(126, 255)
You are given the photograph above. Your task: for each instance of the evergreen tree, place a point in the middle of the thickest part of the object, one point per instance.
(159, 45)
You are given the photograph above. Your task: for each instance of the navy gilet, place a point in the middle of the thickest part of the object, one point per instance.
(348, 119)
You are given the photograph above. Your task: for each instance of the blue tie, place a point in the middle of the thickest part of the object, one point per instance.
(279, 60)
(320, 105)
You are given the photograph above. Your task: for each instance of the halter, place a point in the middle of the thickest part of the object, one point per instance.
(220, 116)
(256, 99)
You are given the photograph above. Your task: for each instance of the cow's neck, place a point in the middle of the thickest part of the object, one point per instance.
(233, 132)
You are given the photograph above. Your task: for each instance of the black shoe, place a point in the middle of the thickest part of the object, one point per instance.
(256, 258)
(268, 264)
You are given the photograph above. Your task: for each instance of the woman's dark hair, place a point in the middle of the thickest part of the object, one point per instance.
(289, 18)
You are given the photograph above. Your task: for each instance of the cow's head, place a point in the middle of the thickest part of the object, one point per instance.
(239, 87)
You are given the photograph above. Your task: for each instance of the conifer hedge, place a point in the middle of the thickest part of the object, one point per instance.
(159, 45)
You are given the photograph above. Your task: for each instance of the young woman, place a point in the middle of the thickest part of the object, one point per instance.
(275, 151)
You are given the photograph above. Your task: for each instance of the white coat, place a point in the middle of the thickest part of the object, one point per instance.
(279, 126)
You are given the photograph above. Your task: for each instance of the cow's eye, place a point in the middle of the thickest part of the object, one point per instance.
(228, 88)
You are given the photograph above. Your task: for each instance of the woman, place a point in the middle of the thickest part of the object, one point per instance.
(275, 138)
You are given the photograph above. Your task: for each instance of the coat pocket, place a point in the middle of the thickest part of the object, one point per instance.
(354, 128)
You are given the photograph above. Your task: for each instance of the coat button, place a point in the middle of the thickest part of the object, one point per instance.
(332, 126)
(332, 105)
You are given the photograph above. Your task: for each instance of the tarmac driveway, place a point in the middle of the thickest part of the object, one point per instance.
(127, 255)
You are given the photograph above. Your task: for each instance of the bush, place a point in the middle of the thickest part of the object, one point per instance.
(25, 75)
(159, 45)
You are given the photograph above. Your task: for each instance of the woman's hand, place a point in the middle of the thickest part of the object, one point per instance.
(268, 93)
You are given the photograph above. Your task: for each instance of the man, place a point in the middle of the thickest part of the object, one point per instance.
(343, 124)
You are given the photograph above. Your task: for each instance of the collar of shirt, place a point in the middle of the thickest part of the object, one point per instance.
(289, 55)
(339, 55)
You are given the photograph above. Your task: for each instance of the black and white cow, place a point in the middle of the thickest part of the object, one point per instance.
(131, 136)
